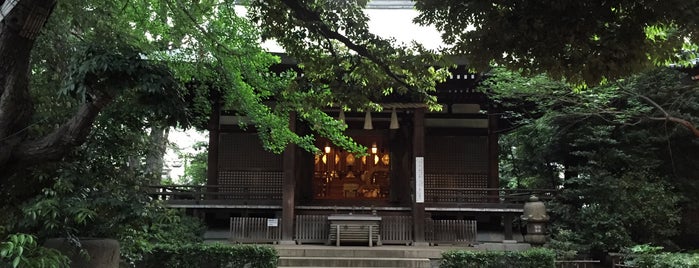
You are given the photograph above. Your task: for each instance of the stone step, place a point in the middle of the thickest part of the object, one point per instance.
(360, 252)
(353, 262)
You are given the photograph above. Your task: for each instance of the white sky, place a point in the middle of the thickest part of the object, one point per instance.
(396, 23)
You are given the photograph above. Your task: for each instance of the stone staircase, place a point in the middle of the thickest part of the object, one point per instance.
(347, 256)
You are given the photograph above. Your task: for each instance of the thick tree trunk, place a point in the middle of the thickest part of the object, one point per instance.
(20, 24)
(19, 28)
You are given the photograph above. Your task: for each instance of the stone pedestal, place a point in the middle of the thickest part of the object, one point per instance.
(103, 253)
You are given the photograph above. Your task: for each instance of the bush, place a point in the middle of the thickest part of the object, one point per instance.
(646, 256)
(158, 226)
(665, 260)
(22, 250)
(533, 258)
(210, 256)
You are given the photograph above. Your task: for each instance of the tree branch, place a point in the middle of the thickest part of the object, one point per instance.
(680, 121)
(668, 117)
(72, 133)
(313, 21)
(208, 35)
(655, 104)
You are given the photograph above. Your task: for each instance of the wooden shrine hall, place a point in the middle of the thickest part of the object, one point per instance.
(427, 177)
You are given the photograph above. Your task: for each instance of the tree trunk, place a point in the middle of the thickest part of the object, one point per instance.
(154, 160)
(20, 24)
(18, 31)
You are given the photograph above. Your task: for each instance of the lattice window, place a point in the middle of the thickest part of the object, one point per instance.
(243, 151)
(456, 154)
(264, 185)
(449, 187)
(456, 180)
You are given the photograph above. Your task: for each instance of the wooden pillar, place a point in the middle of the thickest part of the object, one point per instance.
(212, 157)
(289, 188)
(508, 218)
(494, 172)
(418, 153)
(493, 160)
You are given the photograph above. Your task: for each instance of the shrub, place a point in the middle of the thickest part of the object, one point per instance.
(533, 258)
(210, 256)
(22, 250)
(646, 256)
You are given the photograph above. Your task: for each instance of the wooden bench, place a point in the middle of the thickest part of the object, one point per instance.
(354, 228)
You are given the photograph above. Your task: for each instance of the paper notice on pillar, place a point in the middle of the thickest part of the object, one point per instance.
(419, 179)
(272, 222)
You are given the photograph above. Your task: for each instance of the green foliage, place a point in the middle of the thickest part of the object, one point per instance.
(22, 250)
(611, 212)
(344, 65)
(567, 244)
(97, 191)
(532, 258)
(646, 256)
(196, 164)
(584, 41)
(622, 170)
(210, 256)
(120, 70)
(158, 226)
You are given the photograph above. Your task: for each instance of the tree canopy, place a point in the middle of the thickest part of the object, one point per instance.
(583, 41)
(624, 174)
(200, 52)
(344, 65)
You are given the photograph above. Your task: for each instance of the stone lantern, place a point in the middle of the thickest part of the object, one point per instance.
(536, 218)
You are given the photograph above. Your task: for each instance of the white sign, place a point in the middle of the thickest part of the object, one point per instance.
(419, 179)
(272, 222)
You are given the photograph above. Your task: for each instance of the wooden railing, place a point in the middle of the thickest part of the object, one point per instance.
(451, 231)
(213, 192)
(432, 195)
(397, 229)
(311, 229)
(577, 263)
(485, 195)
(255, 230)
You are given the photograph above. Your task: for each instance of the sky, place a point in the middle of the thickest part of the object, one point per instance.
(395, 23)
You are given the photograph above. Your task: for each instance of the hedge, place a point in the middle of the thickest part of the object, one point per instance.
(532, 258)
(664, 260)
(209, 256)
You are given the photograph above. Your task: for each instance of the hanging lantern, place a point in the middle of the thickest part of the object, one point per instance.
(341, 117)
(350, 159)
(386, 159)
(367, 120)
(394, 120)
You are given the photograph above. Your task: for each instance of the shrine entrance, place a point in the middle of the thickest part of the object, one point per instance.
(339, 174)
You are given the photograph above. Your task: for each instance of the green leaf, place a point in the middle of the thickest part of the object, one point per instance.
(15, 262)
